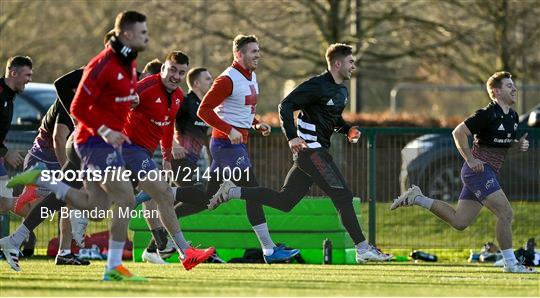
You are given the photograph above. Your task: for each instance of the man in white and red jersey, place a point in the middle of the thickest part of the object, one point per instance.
(101, 105)
(152, 122)
(494, 129)
(229, 108)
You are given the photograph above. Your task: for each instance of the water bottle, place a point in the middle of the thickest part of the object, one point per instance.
(424, 256)
(327, 251)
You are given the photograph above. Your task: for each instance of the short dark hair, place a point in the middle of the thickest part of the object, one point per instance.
(153, 67)
(241, 40)
(18, 61)
(126, 19)
(177, 57)
(495, 81)
(193, 75)
(337, 51)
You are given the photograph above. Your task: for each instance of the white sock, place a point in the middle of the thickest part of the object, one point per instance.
(264, 238)
(235, 193)
(64, 252)
(509, 257)
(114, 255)
(174, 189)
(423, 202)
(362, 246)
(180, 241)
(20, 234)
(59, 188)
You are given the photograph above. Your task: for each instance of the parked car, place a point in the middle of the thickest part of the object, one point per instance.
(433, 163)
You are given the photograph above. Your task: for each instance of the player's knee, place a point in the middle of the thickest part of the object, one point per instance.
(163, 195)
(506, 215)
(460, 226)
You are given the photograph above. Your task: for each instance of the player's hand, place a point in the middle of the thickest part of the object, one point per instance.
(523, 143)
(263, 128)
(167, 166)
(354, 134)
(115, 138)
(297, 144)
(235, 136)
(476, 165)
(179, 152)
(14, 158)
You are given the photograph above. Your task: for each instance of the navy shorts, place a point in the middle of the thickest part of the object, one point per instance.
(138, 159)
(227, 155)
(30, 160)
(477, 186)
(97, 155)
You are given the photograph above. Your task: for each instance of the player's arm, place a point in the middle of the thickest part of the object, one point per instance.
(12, 157)
(3, 128)
(62, 129)
(90, 88)
(302, 96)
(166, 145)
(60, 135)
(466, 129)
(66, 86)
(220, 90)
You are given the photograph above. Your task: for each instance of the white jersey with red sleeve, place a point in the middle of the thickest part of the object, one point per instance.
(238, 109)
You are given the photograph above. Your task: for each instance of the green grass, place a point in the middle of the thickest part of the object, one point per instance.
(404, 228)
(42, 278)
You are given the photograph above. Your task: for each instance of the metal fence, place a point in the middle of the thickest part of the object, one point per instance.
(382, 164)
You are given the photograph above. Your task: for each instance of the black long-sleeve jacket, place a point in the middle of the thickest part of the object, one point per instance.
(321, 102)
(6, 112)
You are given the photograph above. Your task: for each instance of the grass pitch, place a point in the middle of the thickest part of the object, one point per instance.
(40, 277)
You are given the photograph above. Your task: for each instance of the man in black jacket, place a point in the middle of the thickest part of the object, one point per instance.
(321, 101)
(18, 74)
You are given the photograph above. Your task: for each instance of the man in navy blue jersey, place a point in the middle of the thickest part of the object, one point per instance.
(494, 130)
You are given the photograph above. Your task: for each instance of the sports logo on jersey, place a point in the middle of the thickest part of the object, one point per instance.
(490, 183)
(145, 164)
(177, 101)
(158, 100)
(478, 193)
(240, 160)
(120, 76)
(111, 158)
(330, 102)
(501, 128)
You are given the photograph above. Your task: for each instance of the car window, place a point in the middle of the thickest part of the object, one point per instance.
(23, 109)
(45, 98)
(32, 104)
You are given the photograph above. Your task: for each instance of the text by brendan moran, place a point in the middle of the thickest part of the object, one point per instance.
(96, 213)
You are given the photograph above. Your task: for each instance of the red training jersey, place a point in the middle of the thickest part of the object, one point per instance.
(152, 120)
(104, 95)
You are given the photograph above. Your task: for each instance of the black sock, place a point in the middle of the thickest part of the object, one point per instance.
(160, 238)
(34, 218)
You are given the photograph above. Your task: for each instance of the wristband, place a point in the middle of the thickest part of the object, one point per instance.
(103, 131)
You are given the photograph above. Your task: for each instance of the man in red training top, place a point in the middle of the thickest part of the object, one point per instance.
(101, 105)
(229, 108)
(149, 123)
